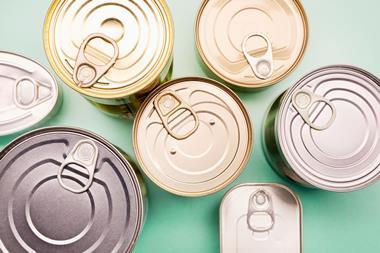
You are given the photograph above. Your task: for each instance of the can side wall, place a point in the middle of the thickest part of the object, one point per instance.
(271, 147)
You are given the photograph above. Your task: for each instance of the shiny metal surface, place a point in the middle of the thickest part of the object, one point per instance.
(260, 218)
(28, 93)
(345, 156)
(38, 214)
(222, 26)
(144, 36)
(192, 159)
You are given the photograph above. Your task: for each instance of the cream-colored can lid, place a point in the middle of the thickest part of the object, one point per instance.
(192, 136)
(108, 48)
(251, 43)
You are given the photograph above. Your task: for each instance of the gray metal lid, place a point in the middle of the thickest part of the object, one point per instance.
(262, 218)
(38, 214)
(28, 93)
(328, 128)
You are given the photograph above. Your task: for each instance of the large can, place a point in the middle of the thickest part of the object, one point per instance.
(68, 190)
(29, 94)
(260, 218)
(324, 131)
(111, 51)
(251, 43)
(192, 136)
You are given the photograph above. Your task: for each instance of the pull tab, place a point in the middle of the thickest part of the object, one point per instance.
(261, 66)
(260, 216)
(167, 104)
(86, 74)
(303, 101)
(84, 154)
(28, 93)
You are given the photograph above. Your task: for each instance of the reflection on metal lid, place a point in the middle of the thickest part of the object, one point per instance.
(328, 128)
(260, 218)
(28, 93)
(227, 37)
(192, 136)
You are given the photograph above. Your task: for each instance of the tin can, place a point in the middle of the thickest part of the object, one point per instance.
(29, 94)
(192, 136)
(324, 131)
(67, 190)
(260, 218)
(251, 43)
(111, 51)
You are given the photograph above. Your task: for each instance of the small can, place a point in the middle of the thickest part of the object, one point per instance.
(260, 218)
(324, 131)
(192, 136)
(29, 94)
(251, 43)
(68, 190)
(110, 51)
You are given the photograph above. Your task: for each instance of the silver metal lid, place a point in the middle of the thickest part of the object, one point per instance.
(28, 93)
(260, 218)
(328, 128)
(192, 136)
(67, 190)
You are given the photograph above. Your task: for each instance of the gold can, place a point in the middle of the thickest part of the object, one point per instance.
(113, 52)
(192, 136)
(251, 43)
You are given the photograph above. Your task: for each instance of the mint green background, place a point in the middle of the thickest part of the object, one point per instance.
(341, 32)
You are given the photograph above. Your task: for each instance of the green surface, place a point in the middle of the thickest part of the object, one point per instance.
(341, 32)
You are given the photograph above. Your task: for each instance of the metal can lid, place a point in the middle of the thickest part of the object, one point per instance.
(192, 136)
(251, 43)
(108, 48)
(67, 190)
(28, 93)
(260, 218)
(328, 128)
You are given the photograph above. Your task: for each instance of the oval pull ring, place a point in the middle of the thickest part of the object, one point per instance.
(260, 217)
(86, 74)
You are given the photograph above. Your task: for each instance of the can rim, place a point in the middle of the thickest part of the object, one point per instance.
(56, 96)
(324, 184)
(241, 84)
(244, 162)
(45, 130)
(142, 84)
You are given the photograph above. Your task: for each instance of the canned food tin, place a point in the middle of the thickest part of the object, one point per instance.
(110, 51)
(192, 136)
(260, 218)
(251, 43)
(67, 190)
(324, 131)
(28, 93)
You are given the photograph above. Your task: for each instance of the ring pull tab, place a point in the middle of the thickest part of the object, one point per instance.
(260, 216)
(85, 155)
(261, 66)
(304, 100)
(28, 93)
(86, 74)
(171, 110)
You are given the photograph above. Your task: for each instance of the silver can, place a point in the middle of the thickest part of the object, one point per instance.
(260, 218)
(324, 131)
(29, 94)
(68, 190)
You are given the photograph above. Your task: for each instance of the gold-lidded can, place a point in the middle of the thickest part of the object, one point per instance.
(192, 136)
(112, 52)
(252, 43)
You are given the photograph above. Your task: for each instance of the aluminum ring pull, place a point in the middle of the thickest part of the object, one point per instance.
(260, 217)
(86, 74)
(261, 66)
(28, 93)
(171, 109)
(304, 100)
(85, 155)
